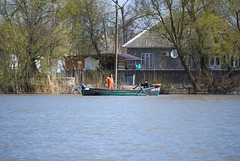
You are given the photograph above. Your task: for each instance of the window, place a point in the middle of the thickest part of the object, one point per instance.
(237, 63)
(146, 60)
(232, 59)
(218, 62)
(190, 61)
(14, 62)
(232, 62)
(215, 62)
(212, 61)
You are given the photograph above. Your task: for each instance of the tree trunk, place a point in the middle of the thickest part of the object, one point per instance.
(205, 71)
(191, 78)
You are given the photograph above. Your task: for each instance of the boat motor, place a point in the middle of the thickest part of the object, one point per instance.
(82, 86)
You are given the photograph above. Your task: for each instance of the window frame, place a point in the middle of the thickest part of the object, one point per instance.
(147, 57)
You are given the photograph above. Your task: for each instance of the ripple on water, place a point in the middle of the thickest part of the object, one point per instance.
(72, 127)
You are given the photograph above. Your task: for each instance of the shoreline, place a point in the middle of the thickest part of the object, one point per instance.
(165, 90)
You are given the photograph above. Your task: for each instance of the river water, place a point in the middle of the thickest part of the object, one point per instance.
(75, 127)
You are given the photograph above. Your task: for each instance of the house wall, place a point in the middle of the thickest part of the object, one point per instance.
(168, 77)
(153, 76)
(167, 62)
(159, 61)
(121, 63)
(74, 63)
(91, 63)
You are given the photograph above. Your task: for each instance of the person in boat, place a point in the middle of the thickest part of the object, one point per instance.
(110, 82)
(145, 85)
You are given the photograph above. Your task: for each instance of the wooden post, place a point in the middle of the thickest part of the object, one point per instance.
(116, 43)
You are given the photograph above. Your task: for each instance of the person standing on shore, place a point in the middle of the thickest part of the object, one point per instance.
(110, 82)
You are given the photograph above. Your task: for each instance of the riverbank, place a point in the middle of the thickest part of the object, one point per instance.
(52, 84)
(165, 89)
(65, 85)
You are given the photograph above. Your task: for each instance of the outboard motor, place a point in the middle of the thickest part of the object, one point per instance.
(82, 86)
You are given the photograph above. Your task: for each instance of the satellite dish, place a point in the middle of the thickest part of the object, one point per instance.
(174, 54)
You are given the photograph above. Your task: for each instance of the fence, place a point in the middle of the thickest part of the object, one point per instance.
(132, 77)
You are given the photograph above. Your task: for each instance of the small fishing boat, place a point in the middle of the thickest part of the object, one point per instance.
(136, 91)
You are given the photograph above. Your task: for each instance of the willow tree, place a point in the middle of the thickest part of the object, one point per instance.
(230, 11)
(89, 24)
(216, 24)
(31, 30)
(208, 34)
(174, 25)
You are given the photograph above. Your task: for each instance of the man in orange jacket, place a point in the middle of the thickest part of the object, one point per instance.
(110, 82)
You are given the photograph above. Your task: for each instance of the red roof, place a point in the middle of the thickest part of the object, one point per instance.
(129, 57)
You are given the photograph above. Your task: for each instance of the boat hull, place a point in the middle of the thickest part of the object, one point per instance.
(152, 91)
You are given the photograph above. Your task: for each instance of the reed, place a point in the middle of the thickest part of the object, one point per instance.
(96, 78)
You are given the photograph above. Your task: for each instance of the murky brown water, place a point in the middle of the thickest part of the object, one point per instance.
(73, 127)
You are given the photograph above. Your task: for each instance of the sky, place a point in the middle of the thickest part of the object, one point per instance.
(121, 2)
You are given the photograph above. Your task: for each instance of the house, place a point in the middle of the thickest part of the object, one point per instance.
(155, 52)
(156, 55)
(88, 59)
(74, 64)
(160, 61)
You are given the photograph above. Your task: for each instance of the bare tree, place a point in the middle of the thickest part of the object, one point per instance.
(128, 23)
(174, 26)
